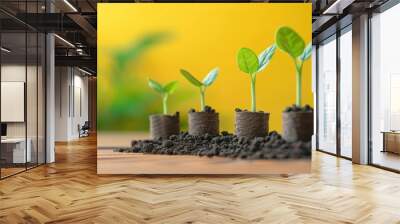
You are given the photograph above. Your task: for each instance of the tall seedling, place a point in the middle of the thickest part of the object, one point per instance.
(250, 64)
(164, 91)
(290, 42)
(207, 81)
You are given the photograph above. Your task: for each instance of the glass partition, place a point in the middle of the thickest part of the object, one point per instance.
(327, 95)
(15, 150)
(385, 89)
(32, 96)
(23, 89)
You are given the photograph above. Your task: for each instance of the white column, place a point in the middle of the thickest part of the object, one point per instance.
(50, 98)
(314, 91)
(360, 90)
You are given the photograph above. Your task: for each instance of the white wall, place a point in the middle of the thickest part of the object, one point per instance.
(71, 102)
(62, 82)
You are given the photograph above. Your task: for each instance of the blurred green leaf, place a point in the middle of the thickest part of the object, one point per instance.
(211, 76)
(137, 48)
(289, 41)
(191, 78)
(170, 87)
(156, 86)
(247, 61)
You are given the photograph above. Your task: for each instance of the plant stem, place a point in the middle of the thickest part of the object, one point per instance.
(202, 98)
(165, 107)
(253, 92)
(298, 83)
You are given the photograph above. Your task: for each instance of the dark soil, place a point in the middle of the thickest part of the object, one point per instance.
(295, 108)
(207, 109)
(224, 145)
(245, 110)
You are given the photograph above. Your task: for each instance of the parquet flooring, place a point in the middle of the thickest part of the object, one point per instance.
(70, 191)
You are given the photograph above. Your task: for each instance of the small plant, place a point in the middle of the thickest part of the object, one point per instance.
(165, 91)
(251, 64)
(207, 81)
(290, 42)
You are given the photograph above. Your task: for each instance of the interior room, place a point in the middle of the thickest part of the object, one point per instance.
(50, 82)
(22, 100)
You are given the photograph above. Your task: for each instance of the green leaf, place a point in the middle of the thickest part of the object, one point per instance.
(247, 61)
(289, 41)
(265, 57)
(170, 87)
(211, 76)
(156, 86)
(133, 51)
(191, 78)
(306, 53)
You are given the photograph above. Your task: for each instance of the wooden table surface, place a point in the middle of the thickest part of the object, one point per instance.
(109, 162)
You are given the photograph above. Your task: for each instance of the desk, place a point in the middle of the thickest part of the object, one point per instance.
(391, 141)
(13, 150)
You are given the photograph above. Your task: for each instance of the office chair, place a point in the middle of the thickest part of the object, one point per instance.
(84, 130)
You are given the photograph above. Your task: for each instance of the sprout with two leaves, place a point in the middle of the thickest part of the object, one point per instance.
(164, 91)
(252, 64)
(202, 85)
(290, 42)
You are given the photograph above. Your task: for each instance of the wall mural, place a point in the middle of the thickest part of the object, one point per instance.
(204, 88)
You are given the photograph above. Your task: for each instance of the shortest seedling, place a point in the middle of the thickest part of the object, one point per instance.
(207, 81)
(164, 91)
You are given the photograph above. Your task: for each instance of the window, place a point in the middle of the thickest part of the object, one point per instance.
(385, 89)
(327, 96)
(346, 93)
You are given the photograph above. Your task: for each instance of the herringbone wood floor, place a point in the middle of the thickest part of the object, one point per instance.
(69, 191)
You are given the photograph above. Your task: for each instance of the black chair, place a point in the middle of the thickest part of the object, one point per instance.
(84, 130)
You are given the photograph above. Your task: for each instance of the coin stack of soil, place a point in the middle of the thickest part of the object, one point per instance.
(251, 124)
(298, 123)
(164, 125)
(203, 122)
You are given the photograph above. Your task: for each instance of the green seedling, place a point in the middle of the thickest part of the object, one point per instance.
(252, 64)
(207, 81)
(164, 91)
(290, 42)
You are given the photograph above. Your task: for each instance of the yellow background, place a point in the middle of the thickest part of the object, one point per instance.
(205, 36)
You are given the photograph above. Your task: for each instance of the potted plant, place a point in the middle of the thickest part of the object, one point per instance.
(297, 120)
(164, 125)
(206, 120)
(252, 123)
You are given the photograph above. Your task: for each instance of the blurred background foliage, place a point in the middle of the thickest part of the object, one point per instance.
(141, 41)
(125, 98)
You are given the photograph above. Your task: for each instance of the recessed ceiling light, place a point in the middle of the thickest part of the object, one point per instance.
(64, 40)
(84, 71)
(5, 50)
(70, 5)
(338, 6)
